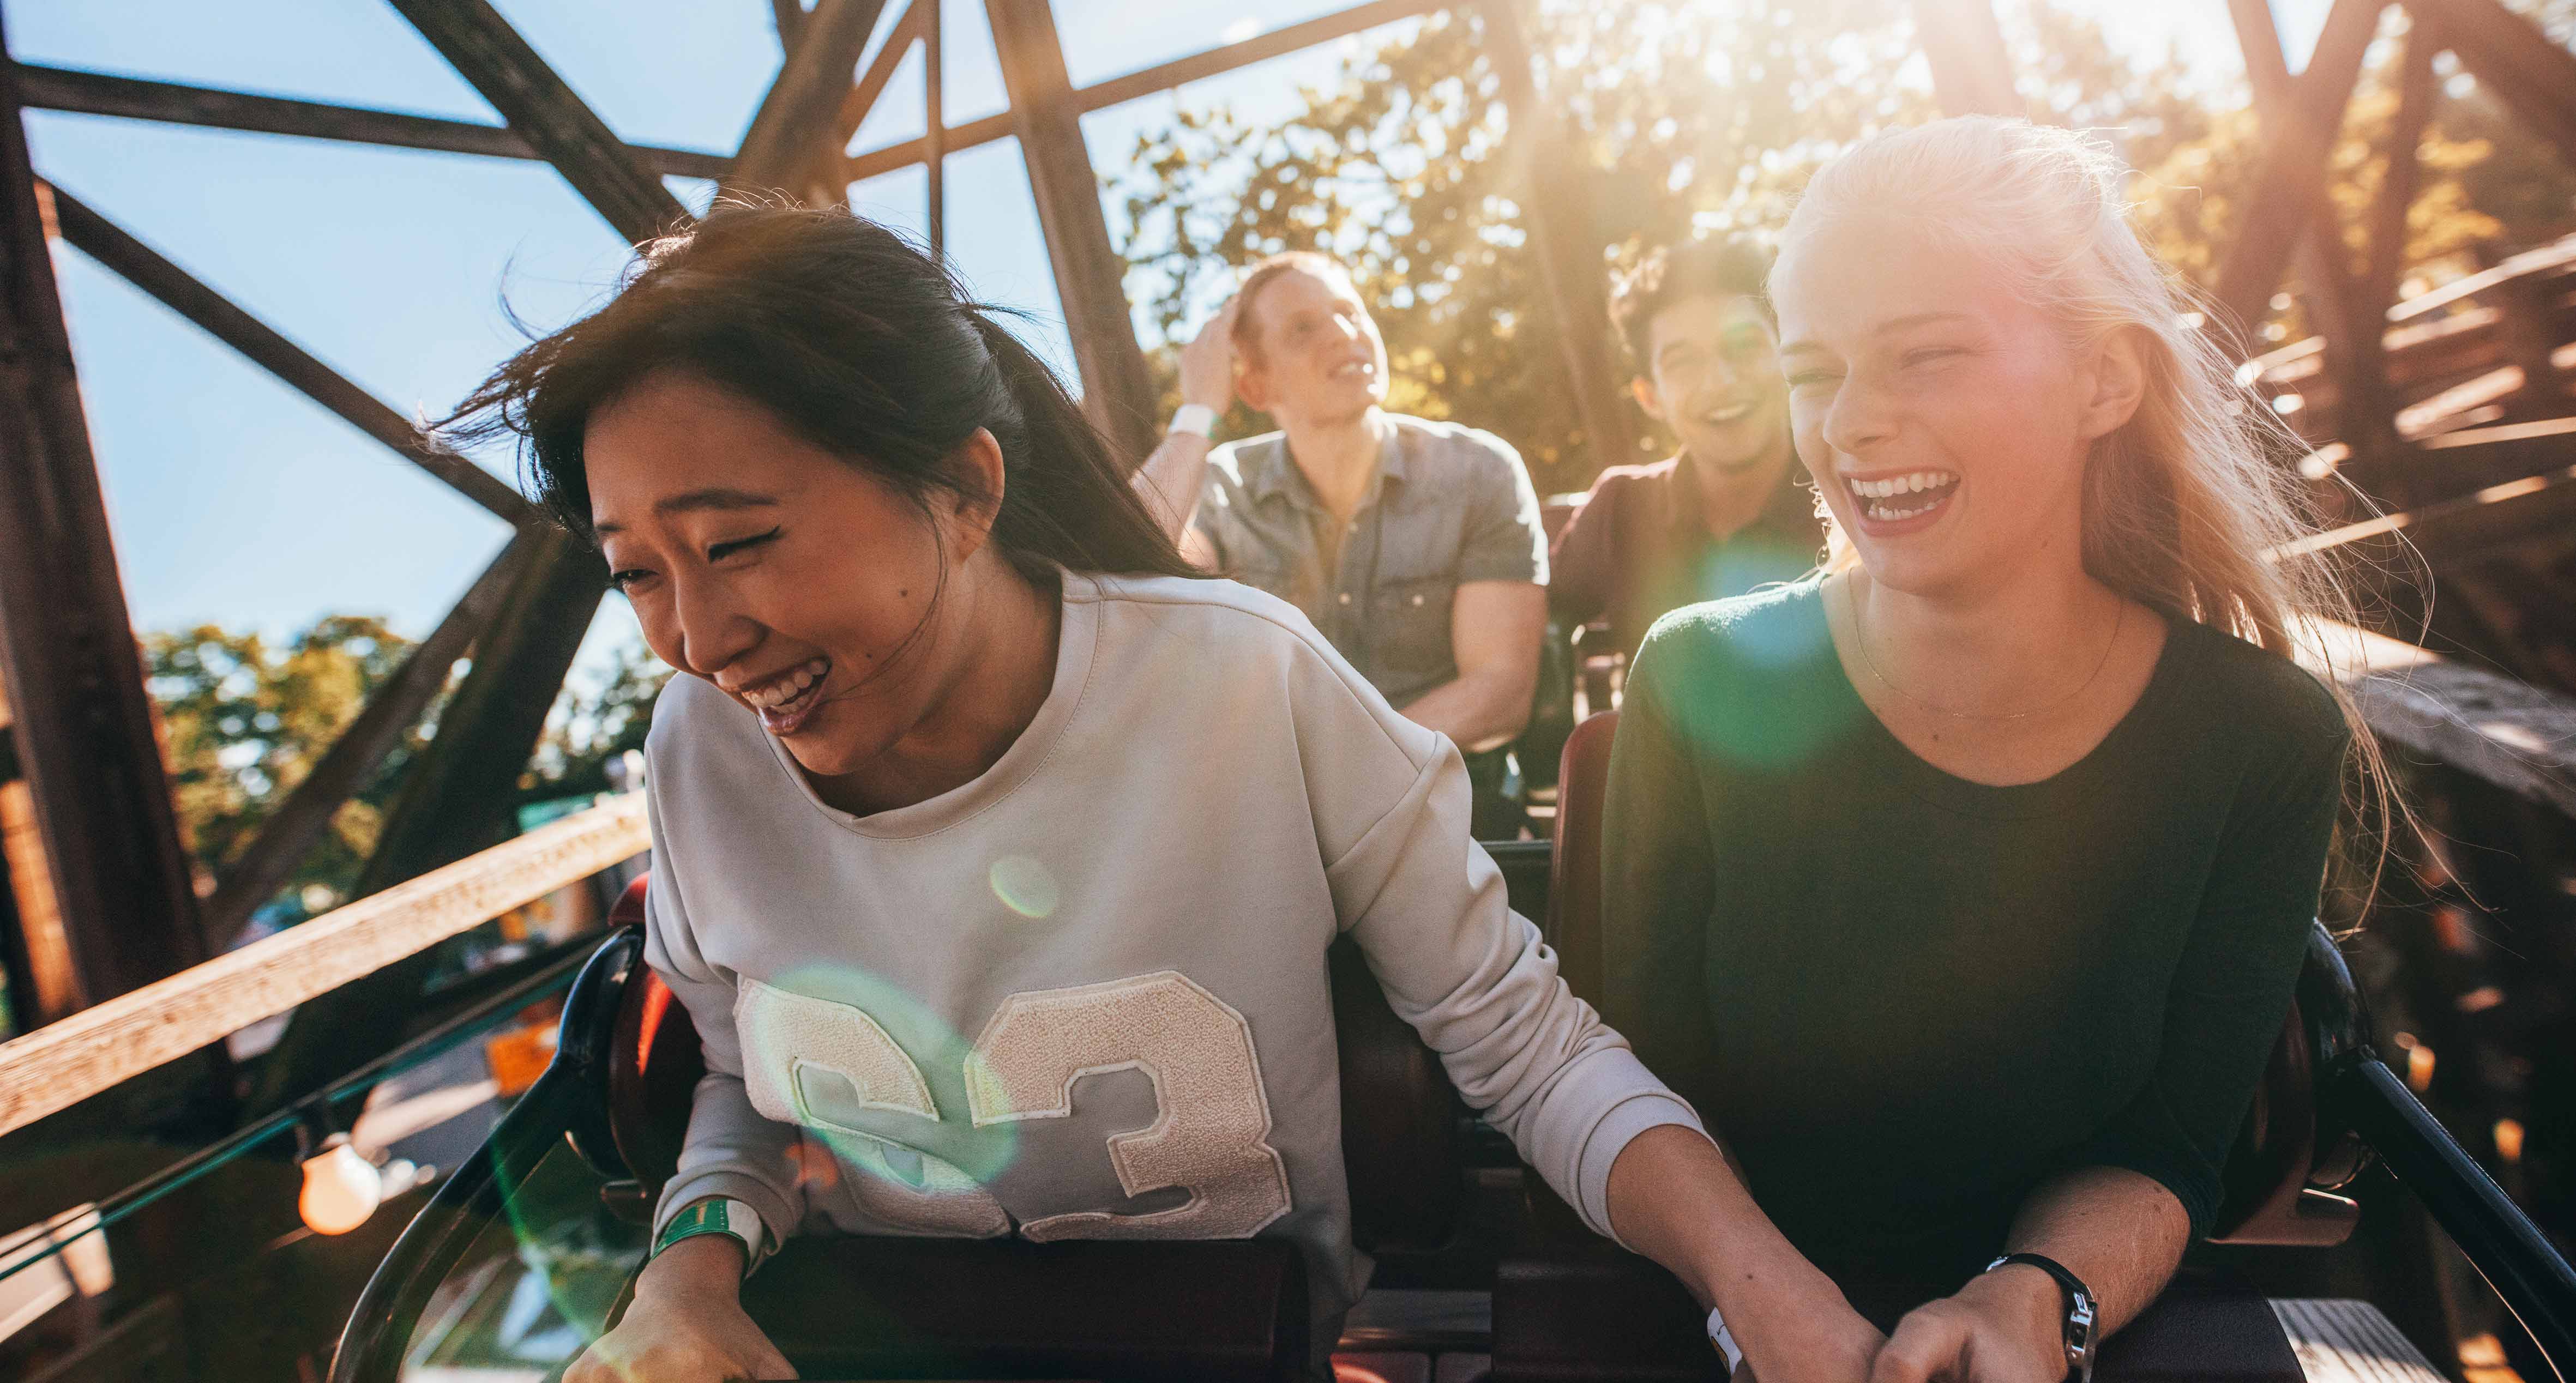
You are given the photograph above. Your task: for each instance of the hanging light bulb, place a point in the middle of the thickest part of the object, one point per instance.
(341, 1188)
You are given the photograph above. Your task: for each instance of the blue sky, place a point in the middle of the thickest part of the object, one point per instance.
(235, 501)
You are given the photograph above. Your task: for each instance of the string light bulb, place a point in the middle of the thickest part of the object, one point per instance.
(341, 1188)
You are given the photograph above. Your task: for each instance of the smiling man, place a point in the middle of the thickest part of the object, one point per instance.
(1414, 546)
(1731, 509)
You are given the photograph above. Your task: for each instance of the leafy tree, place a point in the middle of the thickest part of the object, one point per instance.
(246, 722)
(592, 725)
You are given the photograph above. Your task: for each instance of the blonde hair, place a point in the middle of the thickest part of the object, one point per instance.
(2188, 506)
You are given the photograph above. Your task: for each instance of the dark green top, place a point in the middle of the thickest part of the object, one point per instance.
(1905, 999)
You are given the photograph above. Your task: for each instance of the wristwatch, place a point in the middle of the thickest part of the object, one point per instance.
(2081, 1319)
(1197, 419)
(718, 1215)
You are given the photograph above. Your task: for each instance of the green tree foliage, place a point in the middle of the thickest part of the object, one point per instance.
(246, 722)
(1707, 117)
(594, 723)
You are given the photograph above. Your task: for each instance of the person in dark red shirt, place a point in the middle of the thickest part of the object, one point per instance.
(1732, 509)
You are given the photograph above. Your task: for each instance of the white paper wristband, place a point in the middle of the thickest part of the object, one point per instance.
(1197, 419)
(1718, 1336)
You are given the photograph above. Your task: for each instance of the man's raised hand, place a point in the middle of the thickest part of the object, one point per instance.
(1207, 362)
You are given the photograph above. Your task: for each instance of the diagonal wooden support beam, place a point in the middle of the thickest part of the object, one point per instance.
(791, 130)
(1090, 277)
(137, 263)
(2290, 179)
(2418, 92)
(491, 56)
(919, 20)
(133, 98)
(359, 751)
(1556, 216)
(2533, 74)
(83, 726)
(1971, 72)
(1161, 77)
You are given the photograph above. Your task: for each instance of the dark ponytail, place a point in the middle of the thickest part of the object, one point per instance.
(856, 340)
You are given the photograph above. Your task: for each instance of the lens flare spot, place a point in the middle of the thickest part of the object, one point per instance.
(1024, 886)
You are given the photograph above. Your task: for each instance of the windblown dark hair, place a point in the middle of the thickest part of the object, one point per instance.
(1715, 267)
(856, 340)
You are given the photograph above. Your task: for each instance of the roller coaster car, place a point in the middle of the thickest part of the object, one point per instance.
(1563, 1305)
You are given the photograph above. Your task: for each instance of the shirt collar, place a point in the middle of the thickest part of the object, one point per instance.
(1270, 470)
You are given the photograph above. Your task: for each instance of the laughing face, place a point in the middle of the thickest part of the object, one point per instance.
(1316, 356)
(1713, 377)
(1946, 421)
(766, 565)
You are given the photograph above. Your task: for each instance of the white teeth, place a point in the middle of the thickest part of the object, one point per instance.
(1913, 483)
(788, 687)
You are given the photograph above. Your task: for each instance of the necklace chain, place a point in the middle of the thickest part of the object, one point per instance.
(1860, 635)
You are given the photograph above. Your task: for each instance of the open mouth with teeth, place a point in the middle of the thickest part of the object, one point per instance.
(787, 700)
(1357, 369)
(1731, 413)
(1897, 498)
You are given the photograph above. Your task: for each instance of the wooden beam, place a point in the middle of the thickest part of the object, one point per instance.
(1090, 278)
(1161, 77)
(113, 1042)
(2509, 734)
(456, 799)
(133, 98)
(360, 750)
(35, 951)
(934, 158)
(1971, 71)
(2534, 74)
(491, 56)
(2463, 462)
(2289, 183)
(789, 17)
(789, 132)
(1554, 214)
(917, 19)
(2418, 93)
(2469, 528)
(83, 725)
(139, 264)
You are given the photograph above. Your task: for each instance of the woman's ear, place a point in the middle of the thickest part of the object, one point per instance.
(2115, 382)
(977, 464)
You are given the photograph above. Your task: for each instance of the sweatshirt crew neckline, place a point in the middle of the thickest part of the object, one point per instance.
(1077, 640)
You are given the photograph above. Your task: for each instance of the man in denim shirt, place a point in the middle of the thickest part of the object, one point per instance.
(1414, 546)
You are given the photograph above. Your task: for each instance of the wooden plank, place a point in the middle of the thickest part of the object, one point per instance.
(456, 799)
(2463, 462)
(789, 132)
(1090, 277)
(1161, 77)
(139, 264)
(359, 751)
(1554, 214)
(109, 1043)
(491, 56)
(1971, 72)
(2418, 93)
(2507, 733)
(917, 20)
(133, 98)
(2533, 73)
(2470, 527)
(2289, 182)
(83, 725)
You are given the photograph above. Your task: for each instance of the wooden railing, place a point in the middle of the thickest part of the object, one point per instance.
(100, 1047)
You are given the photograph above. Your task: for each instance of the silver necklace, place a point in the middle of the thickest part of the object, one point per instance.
(1860, 635)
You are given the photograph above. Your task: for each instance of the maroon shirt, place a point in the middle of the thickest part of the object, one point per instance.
(1638, 546)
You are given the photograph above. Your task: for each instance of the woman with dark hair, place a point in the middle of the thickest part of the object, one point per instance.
(994, 857)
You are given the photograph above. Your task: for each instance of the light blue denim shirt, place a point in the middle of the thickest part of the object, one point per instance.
(1448, 505)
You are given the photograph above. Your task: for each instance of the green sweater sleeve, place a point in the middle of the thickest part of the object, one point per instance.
(2232, 986)
(1657, 886)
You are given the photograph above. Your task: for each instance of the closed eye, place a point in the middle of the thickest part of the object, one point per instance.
(717, 552)
(1928, 354)
(1806, 377)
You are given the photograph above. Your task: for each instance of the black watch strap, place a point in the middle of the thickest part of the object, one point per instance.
(2083, 1329)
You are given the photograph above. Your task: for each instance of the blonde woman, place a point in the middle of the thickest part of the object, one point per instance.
(1963, 885)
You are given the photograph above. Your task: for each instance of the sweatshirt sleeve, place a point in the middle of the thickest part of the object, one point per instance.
(732, 1149)
(1426, 905)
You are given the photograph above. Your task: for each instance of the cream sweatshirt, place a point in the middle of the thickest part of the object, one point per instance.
(1084, 995)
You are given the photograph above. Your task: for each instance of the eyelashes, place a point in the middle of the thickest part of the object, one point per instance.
(716, 552)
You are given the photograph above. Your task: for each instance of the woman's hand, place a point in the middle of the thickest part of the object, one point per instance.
(686, 1324)
(2006, 1326)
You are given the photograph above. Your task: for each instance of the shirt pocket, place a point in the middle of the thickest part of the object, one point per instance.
(1409, 629)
